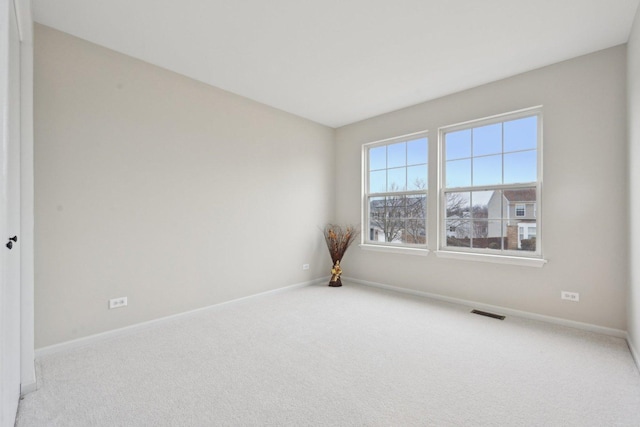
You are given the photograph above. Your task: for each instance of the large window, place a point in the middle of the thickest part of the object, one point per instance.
(395, 195)
(490, 186)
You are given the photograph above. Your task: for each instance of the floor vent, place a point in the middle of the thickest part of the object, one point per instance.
(484, 313)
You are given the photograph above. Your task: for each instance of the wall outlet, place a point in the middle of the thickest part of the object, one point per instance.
(305, 266)
(117, 302)
(570, 296)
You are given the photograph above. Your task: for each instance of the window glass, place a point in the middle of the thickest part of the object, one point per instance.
(520, 167)
(458, 173)
(397, 179)
(521, 134)
(416, 177)
(378, 181)
(491, 185)
(458, 144)
(396, 196)
(487, 140)
(378, 158)
(487, 170)
(396, 155)
(417, 152)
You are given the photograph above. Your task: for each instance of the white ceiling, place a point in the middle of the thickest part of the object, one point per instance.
(340, 61)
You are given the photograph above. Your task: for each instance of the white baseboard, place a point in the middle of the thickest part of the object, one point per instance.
(28, 382)
(28, 388)
(128, 330)
(132, 329)
(493, 308)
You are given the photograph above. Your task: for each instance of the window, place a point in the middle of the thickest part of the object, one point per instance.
(490, 185)
(395, 191)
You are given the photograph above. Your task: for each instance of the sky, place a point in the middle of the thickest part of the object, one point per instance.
(500, 153)
(494, 154)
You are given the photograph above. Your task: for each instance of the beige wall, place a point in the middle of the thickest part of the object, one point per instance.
(179, 195)
(165, 190)
(584, 198)
(633, 75)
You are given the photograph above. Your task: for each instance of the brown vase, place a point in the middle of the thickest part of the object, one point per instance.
(336, 272)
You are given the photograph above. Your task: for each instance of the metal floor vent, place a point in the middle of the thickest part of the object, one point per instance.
(484, 313)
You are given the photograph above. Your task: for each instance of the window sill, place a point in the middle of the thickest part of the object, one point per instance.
(395, 249)
(497, 259)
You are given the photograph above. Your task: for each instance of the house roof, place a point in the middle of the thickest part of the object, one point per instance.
(526, 195)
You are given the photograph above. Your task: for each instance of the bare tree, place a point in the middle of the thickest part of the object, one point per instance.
(403, 217)
(415, 224)
(400, 217)
(458, 214)
(480, 228)
(387, 216)
(457, 205)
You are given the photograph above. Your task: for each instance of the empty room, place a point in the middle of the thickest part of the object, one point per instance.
(356, 213)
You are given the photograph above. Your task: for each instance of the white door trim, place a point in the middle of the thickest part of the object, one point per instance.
(10, 285)
(27, 345)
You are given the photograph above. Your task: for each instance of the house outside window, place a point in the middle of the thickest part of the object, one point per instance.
(490, 185)
(395, 191)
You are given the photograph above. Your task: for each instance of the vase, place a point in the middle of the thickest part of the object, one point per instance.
(336, 272)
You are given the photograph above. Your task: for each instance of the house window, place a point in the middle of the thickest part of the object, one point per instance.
(395, 191)
(490, 173)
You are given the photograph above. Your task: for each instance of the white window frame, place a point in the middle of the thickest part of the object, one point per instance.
(523, 207)
(504, 256)
(365, 243)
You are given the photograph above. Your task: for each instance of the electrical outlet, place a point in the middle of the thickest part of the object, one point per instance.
(570, 296)
(117, 302)
(305, 266)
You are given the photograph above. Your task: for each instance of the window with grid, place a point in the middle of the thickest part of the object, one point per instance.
(490, 185)
(395, 191)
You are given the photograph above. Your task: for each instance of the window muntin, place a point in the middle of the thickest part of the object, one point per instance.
(395, 199)
(490, 187)
(492, 154)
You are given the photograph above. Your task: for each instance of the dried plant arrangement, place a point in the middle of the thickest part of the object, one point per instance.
(338, 239)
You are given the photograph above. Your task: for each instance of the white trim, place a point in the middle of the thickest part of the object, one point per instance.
(394, 249)
(24, 18)
(496, 259)
(27, 355)
(132, 329)
(28, 388)
(512, 115)
(386, 141)
(618, 333)
(634, 352)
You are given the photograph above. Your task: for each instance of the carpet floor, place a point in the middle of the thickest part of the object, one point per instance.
(350, 356)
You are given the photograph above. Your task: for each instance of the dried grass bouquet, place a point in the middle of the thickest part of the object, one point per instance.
(338, 239)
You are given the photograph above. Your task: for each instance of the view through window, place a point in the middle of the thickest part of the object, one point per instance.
(396, 191)
(490, 187)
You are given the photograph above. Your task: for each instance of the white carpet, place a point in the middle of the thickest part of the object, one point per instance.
(340, 357)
